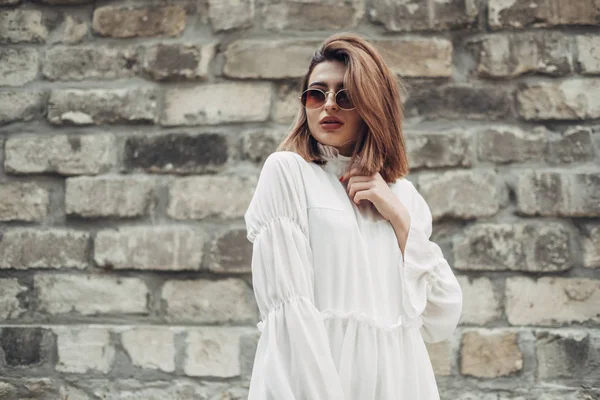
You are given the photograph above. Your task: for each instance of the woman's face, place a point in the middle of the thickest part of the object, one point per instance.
(329, 75)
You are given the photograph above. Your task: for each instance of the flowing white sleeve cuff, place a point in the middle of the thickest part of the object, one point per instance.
(430, 289)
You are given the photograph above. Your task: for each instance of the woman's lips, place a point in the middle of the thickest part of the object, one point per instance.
(330, 126)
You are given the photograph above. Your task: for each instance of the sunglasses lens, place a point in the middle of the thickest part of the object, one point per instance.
(313, 98)
(343, 100)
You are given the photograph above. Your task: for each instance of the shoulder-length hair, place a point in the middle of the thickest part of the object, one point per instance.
(376, 93)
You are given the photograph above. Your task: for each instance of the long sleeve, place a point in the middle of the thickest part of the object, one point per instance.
(293, 359)
(429, 287)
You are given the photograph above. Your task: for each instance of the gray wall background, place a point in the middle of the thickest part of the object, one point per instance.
(132, 134)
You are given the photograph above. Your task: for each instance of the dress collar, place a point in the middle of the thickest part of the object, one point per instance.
(335, 162)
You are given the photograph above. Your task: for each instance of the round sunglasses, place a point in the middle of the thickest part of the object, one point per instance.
(315, 98)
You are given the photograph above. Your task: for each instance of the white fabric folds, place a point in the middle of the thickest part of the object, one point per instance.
(343, 314)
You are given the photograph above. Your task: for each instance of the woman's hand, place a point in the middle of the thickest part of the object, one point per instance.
(374, 189)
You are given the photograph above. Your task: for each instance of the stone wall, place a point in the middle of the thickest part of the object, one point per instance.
(132, 134)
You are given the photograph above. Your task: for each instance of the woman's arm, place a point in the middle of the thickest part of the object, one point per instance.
(293, 359)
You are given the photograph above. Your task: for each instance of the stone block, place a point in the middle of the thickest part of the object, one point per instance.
(22, 25)
(480, 303)
(126, 22)
(558, 193)
(20, 105)
(439, 149)
(279, 59)
(76, 63)
(10, 306)
(207, 302)
(23, 201)
(138, 340)
(490, 354)
(572, 99)
(177, 153)
(19, 65)
(551, 301)
(460, 194)
(172, 61)
(102, 106)
(168, 248)
(526, 246)
(24, 248)
(217, 103)
(109, 196)
(417, 57)
(201, 197)
(62, 154)
(90, 294)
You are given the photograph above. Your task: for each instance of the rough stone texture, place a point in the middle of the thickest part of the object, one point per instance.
(154, 248)
(286, 107)
(108, 196)
(217, 103)
(102, 106)
(434, 101)
(532, 247)
(552, 301)
(74, 30)
(206, 196)
(163, 388)
(226, 15)
(460, 194)
(202, 301)
(212, 352)
(508, 144)
(20, 106)
(279, 59)
(10, 306)
(440, 354)
(93, 342)
(19, 66)
(299, 15)
(588, 51)
(429, 57)
(22, 26)
(421, 15)
(480, 304)
(23, 202)
(574, 145)
(178, 61)
(554, 193)
(137, 342)
(177, 153)
(125, 22)
(490, 354)
(541, 13)
(24, 248)
(590, 239)
(572, 99)
(439, 149)
(24, 346)
(258, 145)
(231, 252)
(571, 355)
(75, 63)
(90, 294)
(62, 154)
(510, 55)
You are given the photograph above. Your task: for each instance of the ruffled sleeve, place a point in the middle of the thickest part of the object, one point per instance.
(429, 287)
(293, 359)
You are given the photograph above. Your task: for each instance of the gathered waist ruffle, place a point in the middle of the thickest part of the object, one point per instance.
(401, 322)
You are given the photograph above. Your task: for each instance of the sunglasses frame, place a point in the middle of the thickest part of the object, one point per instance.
(326, 93)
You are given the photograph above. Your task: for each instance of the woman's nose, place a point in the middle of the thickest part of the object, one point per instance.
(330, 101)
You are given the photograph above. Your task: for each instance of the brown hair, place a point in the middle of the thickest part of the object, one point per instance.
(375, 91)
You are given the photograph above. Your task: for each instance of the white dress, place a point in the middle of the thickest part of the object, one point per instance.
(343, 315)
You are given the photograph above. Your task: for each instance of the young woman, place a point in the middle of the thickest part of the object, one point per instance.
(348, 284)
